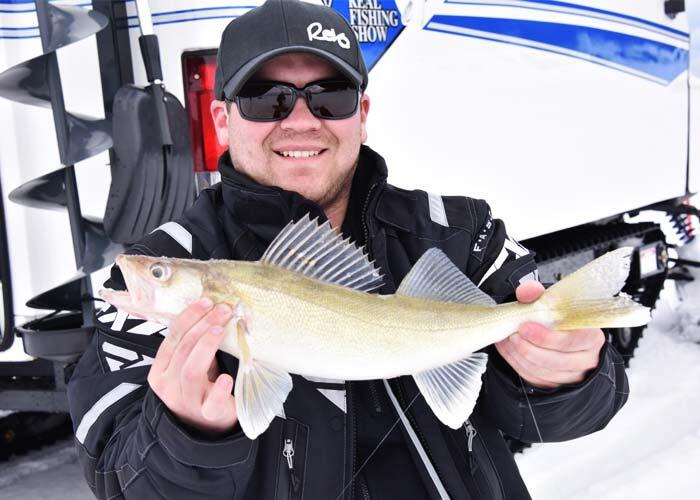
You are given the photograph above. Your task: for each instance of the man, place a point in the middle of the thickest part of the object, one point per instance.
(156, 418)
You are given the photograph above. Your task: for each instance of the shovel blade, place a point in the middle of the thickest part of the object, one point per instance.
(151, 184)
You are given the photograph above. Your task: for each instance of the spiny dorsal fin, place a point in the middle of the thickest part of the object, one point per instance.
(435, 277)
(318, 252)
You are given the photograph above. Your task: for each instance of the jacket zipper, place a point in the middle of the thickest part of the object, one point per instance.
(471, 432)
(348, 391)
(288, 455)
(402, 400)
(375, 396)
(353, 438)
(365, 229)
(498, 487)
(365, 490)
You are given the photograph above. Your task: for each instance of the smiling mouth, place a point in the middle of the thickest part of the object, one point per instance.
(295, 155)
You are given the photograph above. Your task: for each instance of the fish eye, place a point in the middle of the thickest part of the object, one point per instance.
(160, 272)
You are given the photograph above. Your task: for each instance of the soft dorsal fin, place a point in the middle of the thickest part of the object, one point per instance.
(318, 252)
(435, 277)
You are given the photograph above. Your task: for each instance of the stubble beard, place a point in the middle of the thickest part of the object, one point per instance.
(338, 193)
(335, 195)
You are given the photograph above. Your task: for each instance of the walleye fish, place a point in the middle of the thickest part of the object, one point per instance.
(304, 308)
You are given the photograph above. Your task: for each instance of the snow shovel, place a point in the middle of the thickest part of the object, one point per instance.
(152, 169)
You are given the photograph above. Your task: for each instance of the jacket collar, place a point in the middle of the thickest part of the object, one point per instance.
(265, 210)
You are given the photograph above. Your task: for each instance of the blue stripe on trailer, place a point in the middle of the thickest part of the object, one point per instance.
(642, 57)
(176, 21)
(16, 11)
(134, 25)
(20, 29)
(19, 2)
(17, 37)
(556, 6)
(189, 11)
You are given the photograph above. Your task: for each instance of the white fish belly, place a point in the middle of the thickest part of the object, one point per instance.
(309, 339)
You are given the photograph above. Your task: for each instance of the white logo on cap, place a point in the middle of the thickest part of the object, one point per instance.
(316, 32)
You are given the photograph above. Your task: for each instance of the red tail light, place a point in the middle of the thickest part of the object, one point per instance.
(199, 69)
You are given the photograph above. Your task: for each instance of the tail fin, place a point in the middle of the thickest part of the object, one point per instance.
(586, 298)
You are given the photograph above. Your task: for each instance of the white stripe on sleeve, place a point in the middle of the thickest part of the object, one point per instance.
(437, 209)
(113, 396)
(178, 233)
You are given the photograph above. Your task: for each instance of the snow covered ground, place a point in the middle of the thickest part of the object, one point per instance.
(52, 473)
(651, 450)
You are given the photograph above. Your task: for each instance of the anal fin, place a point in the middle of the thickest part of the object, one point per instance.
(451, 391)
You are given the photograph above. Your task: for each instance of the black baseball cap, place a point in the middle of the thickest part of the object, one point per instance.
(283, 26)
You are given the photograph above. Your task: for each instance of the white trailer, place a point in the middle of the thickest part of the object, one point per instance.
(569, 117)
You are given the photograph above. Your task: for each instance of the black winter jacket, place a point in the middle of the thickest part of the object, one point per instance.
(131, 446)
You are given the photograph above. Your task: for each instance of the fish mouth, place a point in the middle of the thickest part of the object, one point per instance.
(118, 298)
(122, 300)
(139, 292)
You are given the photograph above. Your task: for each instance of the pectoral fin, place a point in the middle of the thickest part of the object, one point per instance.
(451, 391)
(260, 395)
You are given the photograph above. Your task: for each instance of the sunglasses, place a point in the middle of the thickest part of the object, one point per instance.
(273, 101)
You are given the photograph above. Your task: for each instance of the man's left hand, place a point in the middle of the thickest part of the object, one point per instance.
(547, 358)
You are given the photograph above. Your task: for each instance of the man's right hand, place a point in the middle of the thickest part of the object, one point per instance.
(185, 374)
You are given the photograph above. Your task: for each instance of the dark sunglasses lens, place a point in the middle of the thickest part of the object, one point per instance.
(265, 101)
(332, 99)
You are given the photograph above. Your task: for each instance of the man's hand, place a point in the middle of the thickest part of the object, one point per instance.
(185, 375)
(547, 358)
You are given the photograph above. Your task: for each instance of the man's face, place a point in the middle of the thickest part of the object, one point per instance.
(258, 148)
